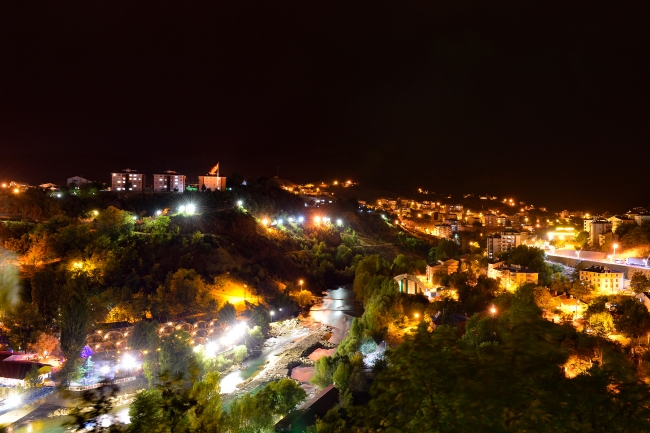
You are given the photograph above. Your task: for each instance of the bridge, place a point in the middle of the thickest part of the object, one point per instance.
(410, 284)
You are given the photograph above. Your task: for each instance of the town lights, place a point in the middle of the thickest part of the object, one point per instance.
(339, 222)
(280, 221)
(190, 208)
(301, 219)
(493, 310)
(265, 222)
(105, 370)
(416, 315)
(210, 349)
(158, 212)
(128, 362)
(316, 219)
(95, 212)
(181, 208)
(290, 219)
(240, 203)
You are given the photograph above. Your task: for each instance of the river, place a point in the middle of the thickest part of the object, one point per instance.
(337, 310)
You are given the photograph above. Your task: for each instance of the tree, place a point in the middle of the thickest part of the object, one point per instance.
(24, 324)
(446, 249)
(207, 415)
(633, 319)
(75, 318)
(146, 413)
(33, 377)
(639, 283)
(176, 355)
(239, 354)
(543, 298)
(9, 281)
(580, 289)
(227, 313)
(44, 343)
(602, 323)
(94, 412)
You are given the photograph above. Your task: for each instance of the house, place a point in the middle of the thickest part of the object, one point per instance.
(76, 181)
(446, 267)
(13, 373)
(602, 279)
(567, 304)
(512, 276)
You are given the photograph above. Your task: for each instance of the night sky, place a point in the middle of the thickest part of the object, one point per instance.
(545, 102)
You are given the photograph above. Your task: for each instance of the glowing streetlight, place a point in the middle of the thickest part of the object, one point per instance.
(493, 310)
(95, 212)
(158, 212)
(280, 221)
(240, 203)
(316, 219)
(190, 209)
(265, 222)
(416, 315)
(339, 222)
(181, 208)
(615, 246)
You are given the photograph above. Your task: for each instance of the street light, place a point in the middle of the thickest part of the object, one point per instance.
(493, 311)
(416, 315)
(615, 246)
(272, 313)
(240, 203)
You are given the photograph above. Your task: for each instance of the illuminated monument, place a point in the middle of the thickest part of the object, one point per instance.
(212, 181)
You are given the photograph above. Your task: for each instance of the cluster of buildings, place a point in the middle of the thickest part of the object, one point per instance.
(166, 181)
(444, 220)
(603, 229)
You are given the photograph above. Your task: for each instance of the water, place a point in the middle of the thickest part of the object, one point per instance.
(337, 311)
(252, 366)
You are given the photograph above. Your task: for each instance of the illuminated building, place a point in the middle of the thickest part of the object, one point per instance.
(617, 220)
(76, 182)
(642, 217)
(602, 279)
(598, 227)
(504, 241)
(127, 180)
(562, 233)
(447, 267)
(169, 181)
(212, 181)
(512, 276)
(490, 220)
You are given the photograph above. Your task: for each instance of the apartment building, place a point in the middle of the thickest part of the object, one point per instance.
(127, 180)
(598, 227)
(604, 280)
(512, 276)
(169, 181)
(504, 241)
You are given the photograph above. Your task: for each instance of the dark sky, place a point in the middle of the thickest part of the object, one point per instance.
(544, 101)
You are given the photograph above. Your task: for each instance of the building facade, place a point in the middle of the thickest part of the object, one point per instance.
(169, 181)
(618, 220)
(127, 180)
(598, 227)
(504, 241)
(76, 182)
(512, 276)
(447, 267)
(602, 279)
